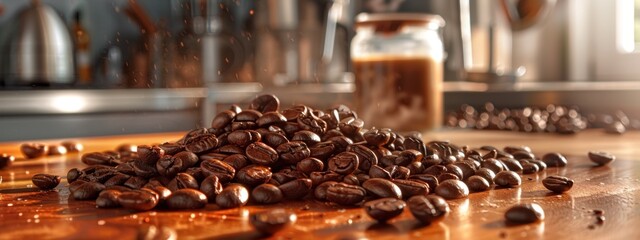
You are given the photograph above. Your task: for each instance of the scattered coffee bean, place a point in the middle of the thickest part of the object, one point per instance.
(557, 184)
(508, 179)
(452, 189)
(233, 195)
(72, 147)
(384, 209)
(265, 103)
(554, 160)
(478, 184)
(382, 188)
(601, 158)
(525, 213)
(267, 194)
(186, 199)
(33, 150)
(6, 160)
(272, 221)
(45, 181)
(56, 150)
(428, 208)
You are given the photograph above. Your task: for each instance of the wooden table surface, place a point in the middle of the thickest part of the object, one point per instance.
(26, 213)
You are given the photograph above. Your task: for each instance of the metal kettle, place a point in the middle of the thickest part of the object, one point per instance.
(39, 49)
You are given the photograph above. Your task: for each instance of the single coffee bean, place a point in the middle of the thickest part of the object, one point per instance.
(243, 126)
(82, 190)
(435, 170)
(126, 148)
(271, 221)
(366, 157)
(296, 111)
(428, 208)
(512, 164)
(452, 189)
(507, 179)
(351, 179)
(117, 180)
(270, 118)
(523, 155)
(467, 169)
(169, 166)
(378, 172)
(232, 196)
(554, 160)
(73, 175)
(135, 182)
(323, 150)
(344, 163)
(45, 181)
(312, 123)
(265, 103)
(253, 175)
(309, 165)
(56, 150)
(350, 126)
(189, 159)
(429, 179)
(478, 184)
(384, 209)
(72, 147)
(514, 149)
(557, 184)
(186, 199)
(162, 193)
(261, 154)
(293, 152)
(296, 189)
(223, 119)
(171, 148)
(493, 164)
(108, 199)
(308, 137)
(320, 192)
(242, 138)
(601, 158)
(139, 200)
(181, 181)
(398, 172)
(267, 194)
(274, 139)
(487, 174)
(211, 187)
(141, 169)
(541, 165)
(220, 169)
(345, 194)
(525, 213)
(97, 158)
(202, 144)
(447, 176)
(411, 188)
(33, 150)
(213, 155)
(376, 137)
(382, 188)
(528, 168)
(6, 160)
(149, 155)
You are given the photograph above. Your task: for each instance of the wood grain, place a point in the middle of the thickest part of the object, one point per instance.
(26, 213)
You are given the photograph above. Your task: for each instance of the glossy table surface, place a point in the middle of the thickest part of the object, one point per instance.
(26, 213)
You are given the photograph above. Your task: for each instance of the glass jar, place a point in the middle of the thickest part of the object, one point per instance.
(398, 66)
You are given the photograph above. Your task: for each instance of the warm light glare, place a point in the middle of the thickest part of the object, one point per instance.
(69, 104)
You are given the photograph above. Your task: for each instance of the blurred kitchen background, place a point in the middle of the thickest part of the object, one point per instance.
(104, 67)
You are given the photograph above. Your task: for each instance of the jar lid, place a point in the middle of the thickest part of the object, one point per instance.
(393, 21)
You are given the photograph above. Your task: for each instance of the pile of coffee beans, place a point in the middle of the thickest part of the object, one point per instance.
(552, 118)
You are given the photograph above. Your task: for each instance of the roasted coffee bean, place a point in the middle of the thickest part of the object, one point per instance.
(181, 181)
(45, 181)
(452, 189)
(507, 179)
(411, 188)
(376, 137)
(72, 147)
(286, 175)
(242, 138)
(493, 164)
(436, 170)
(202, 144)
(296, 189)
(188, 159)
(384, 209)
(601, 158)
(523, 155)
(294, 112)
(407, 157)
(478, 184)
(267, 194)
(332, 118)
(186, 199)
(541, 165)
(341, 143)
(56, 150)
(253, 175)
(512, 164)
(135, 182)
(149, 155)
(345, 194)
(309, 165)
(344, 163)
(213, 155)
(366, 157)
(289, 128)
(429, 179)
(108, 199)
(525, 213)
(138, 168)
(97, 158)
(261, 154)
(270, 118)
(350, 126)
(265, 103)
(312, 123)
(467, 169)
(320, 192)
(235, 108)
(514, 149)
(331, 133)
(73, 175)
(487, 174)
(415, 167)
(126, 148)
(453, 169)
(169, 166)
(232, 196)
(398, 172)
(323, 150)
(557, 184)
(237, 161)
(33, 150)
(138, 200)
(271, 221)
(81, 190)
(379, 172)
(528, 168)
(382, 188)
(171, 148)
(380, 152)
(243, 126)
(293, 152)
(248, 116)
(554, 160)
(308, 137)
(196, 172)
(211, 187)
(220, 169)
(427, 209)
(161, 192)
(223, 119)
(6, 160)
(319, 177)
(274, 139)
(351, 179)
(118, 179)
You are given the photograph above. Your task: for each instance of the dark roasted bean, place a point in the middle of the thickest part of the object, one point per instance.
(320, 192)
(309, 165)
(528, 168)
(554, 160)
(253, 175)
(312, 123)
(351, 179)
(294, 112)
(557, 184)
(265, 103)
(81, 190)
(267, 194)
(382, 188)
(478, 184)
(45, 181)
(376, 137)
(379, 172)
(512, 164)
(429, 179)
(507, 179)
(72, 147)
(149, 155)
(211, 187)
(293, 152)
(6, 160)
(169, 166)
(411, 188)
(261, 154)
(135, 182)
(487, 174)
(232, 196)
(235, 108)
(108, 199)
(202, 144)
(366, 157)
(493, 164)
(308, 137)
(248, 116)
(97, 158)
(541, 165)
(242, 138)
(323, 150)
(56, 150)
(118, 179)
(181, 181)
(33, 150)
(525, 213)
(274, 139)
(220, 169)
(523, 155)
(428, 208)
(141, 169)
(171, 148)
(601, 158)
(452, 189)
(349, 126)
(296, 189)
(344, 163)
(271, 221)
(407, 157)
(270, 118)
(223, 119)
(73, 175)
(345, 194)
(319, 177)
(384, 209)
(138, 200)
(435, 170)
(186, 199)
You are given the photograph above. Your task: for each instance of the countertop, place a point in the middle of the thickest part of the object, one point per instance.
(26, 213)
